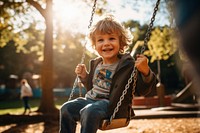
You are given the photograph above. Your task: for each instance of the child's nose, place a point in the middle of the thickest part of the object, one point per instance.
(106, 42)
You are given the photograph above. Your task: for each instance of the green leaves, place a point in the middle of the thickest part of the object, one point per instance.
(162, 44)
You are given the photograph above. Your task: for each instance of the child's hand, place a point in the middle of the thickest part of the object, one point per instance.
(81, 70)
(141, 64)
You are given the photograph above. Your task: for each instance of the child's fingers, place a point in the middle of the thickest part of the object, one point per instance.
(80, 68)
(141, 58)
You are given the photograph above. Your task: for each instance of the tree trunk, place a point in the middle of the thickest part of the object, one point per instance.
(47, 104)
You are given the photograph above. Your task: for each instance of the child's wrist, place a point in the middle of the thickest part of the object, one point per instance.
(146, 74)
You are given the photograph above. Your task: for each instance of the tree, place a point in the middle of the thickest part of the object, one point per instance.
(9, 9)
(47, 102)
(162, 44)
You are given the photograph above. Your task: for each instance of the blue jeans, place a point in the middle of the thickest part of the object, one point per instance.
(88, 112)
(26, 104)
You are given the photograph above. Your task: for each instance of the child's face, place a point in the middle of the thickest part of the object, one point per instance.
(107, 46)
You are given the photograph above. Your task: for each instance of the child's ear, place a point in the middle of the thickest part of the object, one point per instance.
(121, 47)
(121, 50)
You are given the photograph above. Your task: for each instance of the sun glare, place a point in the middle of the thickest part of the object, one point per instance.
(71, 14)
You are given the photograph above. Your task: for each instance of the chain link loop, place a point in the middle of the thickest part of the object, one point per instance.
(73, 89)
(92, 14)
(147, 35)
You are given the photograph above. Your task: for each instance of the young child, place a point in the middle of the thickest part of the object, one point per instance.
(106, 79)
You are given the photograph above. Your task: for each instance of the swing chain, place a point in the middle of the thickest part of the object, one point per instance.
(92, 14)
(133, 78)
(77, 80)
(73, 89)
(147, 35)
(90, 24)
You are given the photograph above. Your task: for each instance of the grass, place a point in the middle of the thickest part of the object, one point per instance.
(16, 106)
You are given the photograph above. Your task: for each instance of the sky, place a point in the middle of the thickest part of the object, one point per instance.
(127, 12)
(138, 11)
(75, 15)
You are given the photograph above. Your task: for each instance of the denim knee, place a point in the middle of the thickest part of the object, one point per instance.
(95, 110)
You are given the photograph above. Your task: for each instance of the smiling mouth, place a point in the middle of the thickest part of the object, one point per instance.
(107, 50)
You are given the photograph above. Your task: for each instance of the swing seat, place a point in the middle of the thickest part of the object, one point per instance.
(115, 123)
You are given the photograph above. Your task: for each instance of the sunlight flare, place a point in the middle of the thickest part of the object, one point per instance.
(71, 15)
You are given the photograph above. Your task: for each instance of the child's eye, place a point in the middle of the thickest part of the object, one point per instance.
(99, 40)
(112, 38)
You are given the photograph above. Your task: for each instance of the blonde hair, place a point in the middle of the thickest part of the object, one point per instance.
(108, 25)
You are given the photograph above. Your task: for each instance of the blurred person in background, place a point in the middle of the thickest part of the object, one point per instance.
(26, 92)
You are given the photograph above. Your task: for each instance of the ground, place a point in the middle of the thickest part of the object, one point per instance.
(35, 123)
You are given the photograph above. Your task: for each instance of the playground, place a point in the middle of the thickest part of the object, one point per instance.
(176, 118)
(170, 108)
(154, 123)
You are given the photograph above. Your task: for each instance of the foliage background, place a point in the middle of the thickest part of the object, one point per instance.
(22, 45)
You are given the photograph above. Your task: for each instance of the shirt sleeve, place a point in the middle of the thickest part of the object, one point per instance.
(148, 78)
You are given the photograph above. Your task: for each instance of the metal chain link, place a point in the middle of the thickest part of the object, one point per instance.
(130, 80)
(73, 89)
(134, 73)
(77, 80)
(147, 35)
(90, 24)
(92, 14)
